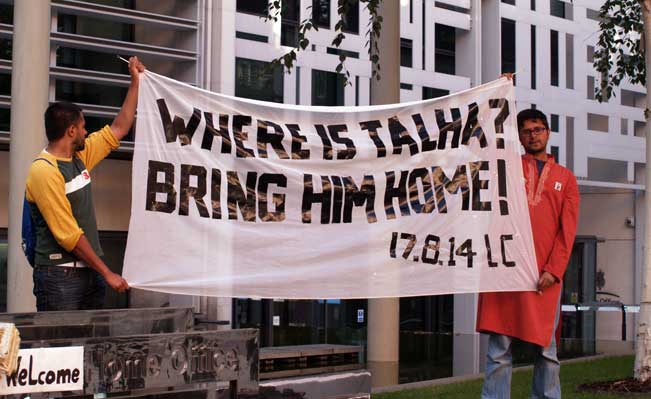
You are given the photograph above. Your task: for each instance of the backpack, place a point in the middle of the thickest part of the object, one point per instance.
(29, 228)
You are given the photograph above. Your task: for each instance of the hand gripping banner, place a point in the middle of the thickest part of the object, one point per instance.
(242, 198)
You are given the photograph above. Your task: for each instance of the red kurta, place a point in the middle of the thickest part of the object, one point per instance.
(553, 199)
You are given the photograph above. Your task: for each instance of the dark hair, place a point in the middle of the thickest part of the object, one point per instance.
(530, 114)
(59, 117)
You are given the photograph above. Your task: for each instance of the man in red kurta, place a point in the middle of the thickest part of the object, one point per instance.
(553, 198)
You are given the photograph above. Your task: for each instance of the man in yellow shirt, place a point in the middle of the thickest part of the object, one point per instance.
(69, 273)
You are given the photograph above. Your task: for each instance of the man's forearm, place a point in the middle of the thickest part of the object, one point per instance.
(87, 254)
(124, 119)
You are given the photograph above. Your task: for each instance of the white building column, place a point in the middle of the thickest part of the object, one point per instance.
(384, 314)
(219, 64)
(29, 99)
(466, 358)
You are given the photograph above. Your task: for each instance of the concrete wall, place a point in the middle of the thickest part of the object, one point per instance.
(603, 214)
(112, 194)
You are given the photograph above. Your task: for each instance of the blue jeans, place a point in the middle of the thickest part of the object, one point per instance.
(497, 381)
(68, 288)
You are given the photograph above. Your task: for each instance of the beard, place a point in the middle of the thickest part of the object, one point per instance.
(80, 145)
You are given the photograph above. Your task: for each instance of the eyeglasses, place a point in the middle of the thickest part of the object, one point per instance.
(535, 131)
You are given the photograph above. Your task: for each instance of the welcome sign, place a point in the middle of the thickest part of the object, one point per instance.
(46, 370)
(241, 198)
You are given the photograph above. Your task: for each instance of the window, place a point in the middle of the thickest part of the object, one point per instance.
(561, 9)
(445, 45)
(423, 35)
(327, 88)
(89, 93)
(431, 92)
(88, 26)
(356, 90)
(406, 86)
(590, 54)
(290, 15)
(251, 36)
(321, 13)
(114, 244)
(406, 56)
(569, 142)
(598, 123)
(590, 95)
(554, 123)
(592, 14)
(511, 2)
(569, 61)
(258, 7)
(426, 325)
(508, 46)
(639, 128)
(351, 19)
(5, 84)
(609, 170)
(632, 98)
(5, 120)
(90, 60)
(554, 151)
(624, 126)
(411, 11)
(339, 51)
(7, 14)
(533, 5)
(257, 80)
(557, 8)
(533, 57)
(554, 57)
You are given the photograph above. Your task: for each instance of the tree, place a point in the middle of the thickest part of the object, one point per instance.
(624, 51)
(307, 24)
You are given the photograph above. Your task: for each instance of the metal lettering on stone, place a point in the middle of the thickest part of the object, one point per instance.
(164, 362)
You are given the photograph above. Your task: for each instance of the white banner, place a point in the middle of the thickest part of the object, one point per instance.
(241, 198)
(46, 370)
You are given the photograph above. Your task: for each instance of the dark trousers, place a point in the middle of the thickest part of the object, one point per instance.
(68, 288)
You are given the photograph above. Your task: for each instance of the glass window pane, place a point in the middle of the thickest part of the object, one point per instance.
(508, 46)
(90, 60)
(557, 8)
(327, 88)
(258, 80)
(114, 244)
(406, 57)
(554, 57)
(5, 84)
(5, 49)
(258, 7)
(431, 92)
(88, 26)
(445, 46)
(554, 123)
(351, 21)
(90, 93)
(5, 120)
(7, 14)
(290, 14)
(426, 337)
(321, 13)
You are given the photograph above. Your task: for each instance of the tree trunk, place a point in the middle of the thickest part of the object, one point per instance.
(642, 370)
